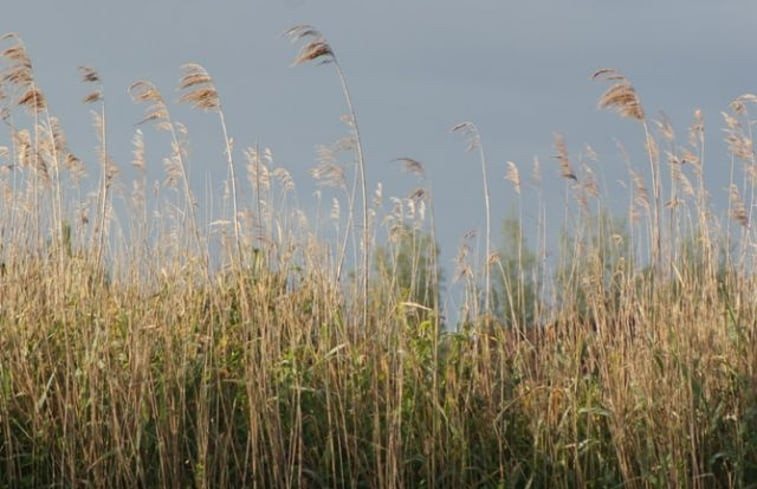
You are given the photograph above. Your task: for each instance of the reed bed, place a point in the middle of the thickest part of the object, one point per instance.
(143, 346)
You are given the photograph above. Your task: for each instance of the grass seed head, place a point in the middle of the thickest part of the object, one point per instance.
(738, 209)
(412, 166)
(566, 169)
(198, 88)
(33, 100)
(316, 49)
(621, 96)
(513, 175)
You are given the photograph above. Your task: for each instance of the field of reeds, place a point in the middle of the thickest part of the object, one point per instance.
(146, 342)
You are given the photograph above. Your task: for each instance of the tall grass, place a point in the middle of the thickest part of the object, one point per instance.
(127, 359)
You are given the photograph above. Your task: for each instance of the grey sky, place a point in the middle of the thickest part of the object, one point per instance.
(519, 70)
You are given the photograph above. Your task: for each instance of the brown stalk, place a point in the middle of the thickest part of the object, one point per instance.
(320, 49)
(157, 112)
(473, 140)
(200, 92)
(622, 98)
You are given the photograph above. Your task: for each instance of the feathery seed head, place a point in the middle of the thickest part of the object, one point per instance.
(665, 128)
(198, 88)
(314, 50)
(641, 195)
(144, 91)
(621, 96)
(92, 97)
(33, 100)
(418, 195)
(19, 72)
(317, 48)
(566, 170)
(89, 75)
(513, 175)
(302, 31)
(138, 142)
(470, 132)
(738, 208)
(536, 173)
(16, 53)
(412, 166)
(590, 185)
(740, 103)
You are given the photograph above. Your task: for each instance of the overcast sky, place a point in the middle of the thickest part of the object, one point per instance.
(519, 70)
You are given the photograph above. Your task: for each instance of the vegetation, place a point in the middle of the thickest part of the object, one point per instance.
(144, 347)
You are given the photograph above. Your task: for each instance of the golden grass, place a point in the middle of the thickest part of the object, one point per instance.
(131, 360)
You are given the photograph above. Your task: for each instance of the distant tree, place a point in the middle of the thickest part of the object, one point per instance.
(595, 265)
(516, 280)
(407, 268)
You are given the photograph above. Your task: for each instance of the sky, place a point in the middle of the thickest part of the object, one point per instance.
(519, 70)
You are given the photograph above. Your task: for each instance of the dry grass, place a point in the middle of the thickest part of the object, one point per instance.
(127, 360)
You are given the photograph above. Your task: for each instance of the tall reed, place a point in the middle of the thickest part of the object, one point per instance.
(131, 359)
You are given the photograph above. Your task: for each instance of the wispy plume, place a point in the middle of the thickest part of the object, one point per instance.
(566, 169)
(621, 96)
(513, 175)
(198, 88)
(316, 49)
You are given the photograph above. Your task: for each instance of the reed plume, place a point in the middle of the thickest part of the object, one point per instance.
(157, 113)
(317, 48)
(566, 169)
(473, 141)
(200, 92)
(513, 176)
(622, 98)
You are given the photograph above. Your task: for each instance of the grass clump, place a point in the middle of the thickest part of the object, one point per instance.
(235, 353)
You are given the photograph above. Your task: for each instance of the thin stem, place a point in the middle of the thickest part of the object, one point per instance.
(103, 188)
(487, 277)
(188, 196)
(57, 199)
(258, 205)
(363, 188)
(232, 176)
(655, 169)
(348, 229)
